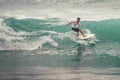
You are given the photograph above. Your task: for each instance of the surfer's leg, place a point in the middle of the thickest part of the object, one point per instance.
(81, 33)
(76, 30)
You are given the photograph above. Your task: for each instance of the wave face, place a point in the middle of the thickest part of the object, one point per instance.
(48, 42)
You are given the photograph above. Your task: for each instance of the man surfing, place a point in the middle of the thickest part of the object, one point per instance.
(74, 25)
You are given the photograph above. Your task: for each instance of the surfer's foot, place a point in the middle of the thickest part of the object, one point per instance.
(84, 35)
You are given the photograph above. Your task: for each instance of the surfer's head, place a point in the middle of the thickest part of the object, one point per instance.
(78, 20)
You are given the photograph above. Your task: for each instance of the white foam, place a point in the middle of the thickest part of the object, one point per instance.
(8, 33)
(72, 36)
(17, 40)
(27, 45)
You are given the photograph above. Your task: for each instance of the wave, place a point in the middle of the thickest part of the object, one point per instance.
(35, 34)
(50, 38)
(31, 34)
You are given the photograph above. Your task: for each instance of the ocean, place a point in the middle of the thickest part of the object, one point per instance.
(35, 43)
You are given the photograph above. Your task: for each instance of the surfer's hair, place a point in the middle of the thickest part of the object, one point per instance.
(78, 18)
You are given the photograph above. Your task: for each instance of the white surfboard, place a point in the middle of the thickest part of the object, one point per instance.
(85, 38)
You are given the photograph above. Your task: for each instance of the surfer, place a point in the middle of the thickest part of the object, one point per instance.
(74, 25)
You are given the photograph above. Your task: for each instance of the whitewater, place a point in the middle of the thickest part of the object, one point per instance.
(35, 43)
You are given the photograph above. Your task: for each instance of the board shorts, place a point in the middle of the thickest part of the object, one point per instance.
(76, 29)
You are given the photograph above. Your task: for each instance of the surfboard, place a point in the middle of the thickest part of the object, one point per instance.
(85, 38)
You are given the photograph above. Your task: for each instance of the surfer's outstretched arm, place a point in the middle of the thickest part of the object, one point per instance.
(68, 23)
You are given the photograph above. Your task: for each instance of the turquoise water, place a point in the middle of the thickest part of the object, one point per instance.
(41, 48)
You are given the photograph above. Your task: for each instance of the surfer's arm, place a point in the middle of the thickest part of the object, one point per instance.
(69, 23)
